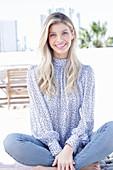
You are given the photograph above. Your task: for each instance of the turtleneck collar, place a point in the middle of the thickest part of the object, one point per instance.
(59, 62)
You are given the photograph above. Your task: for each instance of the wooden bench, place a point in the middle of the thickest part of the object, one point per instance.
(17, 84)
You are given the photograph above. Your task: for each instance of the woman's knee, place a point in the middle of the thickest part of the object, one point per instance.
(110, 123)
(10, 141)
(106, 127)
(105, 131)
(109, 126)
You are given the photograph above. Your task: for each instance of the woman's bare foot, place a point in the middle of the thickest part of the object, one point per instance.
(43, 168)
(94, 166)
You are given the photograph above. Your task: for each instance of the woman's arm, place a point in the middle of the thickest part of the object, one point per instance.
(86, 124)
(41, 125)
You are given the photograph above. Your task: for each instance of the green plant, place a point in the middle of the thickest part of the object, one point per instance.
(85, 38)
(98, 32)
(109, 42)
(95, 37)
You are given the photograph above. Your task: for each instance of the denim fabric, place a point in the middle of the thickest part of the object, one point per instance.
(29, 151)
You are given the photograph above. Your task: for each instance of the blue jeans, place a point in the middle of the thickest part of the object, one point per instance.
(29, 151)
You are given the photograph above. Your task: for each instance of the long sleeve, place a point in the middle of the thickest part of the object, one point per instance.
(86, 123)
(41, 125)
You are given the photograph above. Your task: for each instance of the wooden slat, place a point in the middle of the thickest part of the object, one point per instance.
(3, 86)
(22, 97)
(17, 84)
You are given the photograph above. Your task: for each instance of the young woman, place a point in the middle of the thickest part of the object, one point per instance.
(61, 91)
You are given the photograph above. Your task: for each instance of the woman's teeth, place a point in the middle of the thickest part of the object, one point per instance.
(60, 45)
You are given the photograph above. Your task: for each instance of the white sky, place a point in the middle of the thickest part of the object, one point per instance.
(27, 13)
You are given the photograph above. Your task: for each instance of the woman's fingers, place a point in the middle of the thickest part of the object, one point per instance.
(55, 162)
(73, 162)
(63, 168)
(59, 166)
(67, 167)
(72, 167)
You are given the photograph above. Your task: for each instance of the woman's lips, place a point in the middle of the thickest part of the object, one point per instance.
(60, 45)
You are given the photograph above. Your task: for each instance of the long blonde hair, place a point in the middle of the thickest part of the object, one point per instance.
(45, 71)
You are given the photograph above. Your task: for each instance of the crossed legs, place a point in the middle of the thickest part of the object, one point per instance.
(31, 152)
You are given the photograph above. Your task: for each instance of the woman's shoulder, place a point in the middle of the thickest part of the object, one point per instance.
(87, 69)
(32, 68)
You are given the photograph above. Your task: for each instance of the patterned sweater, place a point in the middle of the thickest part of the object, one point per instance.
(65, 118)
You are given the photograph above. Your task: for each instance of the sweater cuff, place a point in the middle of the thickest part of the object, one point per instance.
(74, 142)
(54, 147)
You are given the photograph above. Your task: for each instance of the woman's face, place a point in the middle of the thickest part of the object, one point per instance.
(60, 37)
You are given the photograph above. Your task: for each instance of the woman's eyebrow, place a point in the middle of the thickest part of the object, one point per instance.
(61, 31)
(65, 30)
(52, 32)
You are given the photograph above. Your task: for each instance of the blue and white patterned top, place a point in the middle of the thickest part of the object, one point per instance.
(64, 118)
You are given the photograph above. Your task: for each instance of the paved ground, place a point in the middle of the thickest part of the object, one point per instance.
(14, 120)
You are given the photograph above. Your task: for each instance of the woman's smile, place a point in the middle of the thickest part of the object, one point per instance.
(60, 46)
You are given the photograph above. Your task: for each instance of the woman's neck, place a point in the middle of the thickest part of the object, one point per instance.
(60, 56)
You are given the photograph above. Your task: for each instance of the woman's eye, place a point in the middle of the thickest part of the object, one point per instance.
(65, 33)
(52, 35)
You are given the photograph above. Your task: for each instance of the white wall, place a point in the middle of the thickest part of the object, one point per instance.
(18, 58)
(100, 59)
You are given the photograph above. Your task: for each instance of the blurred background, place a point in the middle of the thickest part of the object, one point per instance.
(20, 25)
(21, 20)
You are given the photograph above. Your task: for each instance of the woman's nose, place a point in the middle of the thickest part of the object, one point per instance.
(59, 38)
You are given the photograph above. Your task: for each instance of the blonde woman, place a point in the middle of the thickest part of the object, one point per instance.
(61, 91)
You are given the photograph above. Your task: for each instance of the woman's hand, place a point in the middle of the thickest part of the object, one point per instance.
(64, 159)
